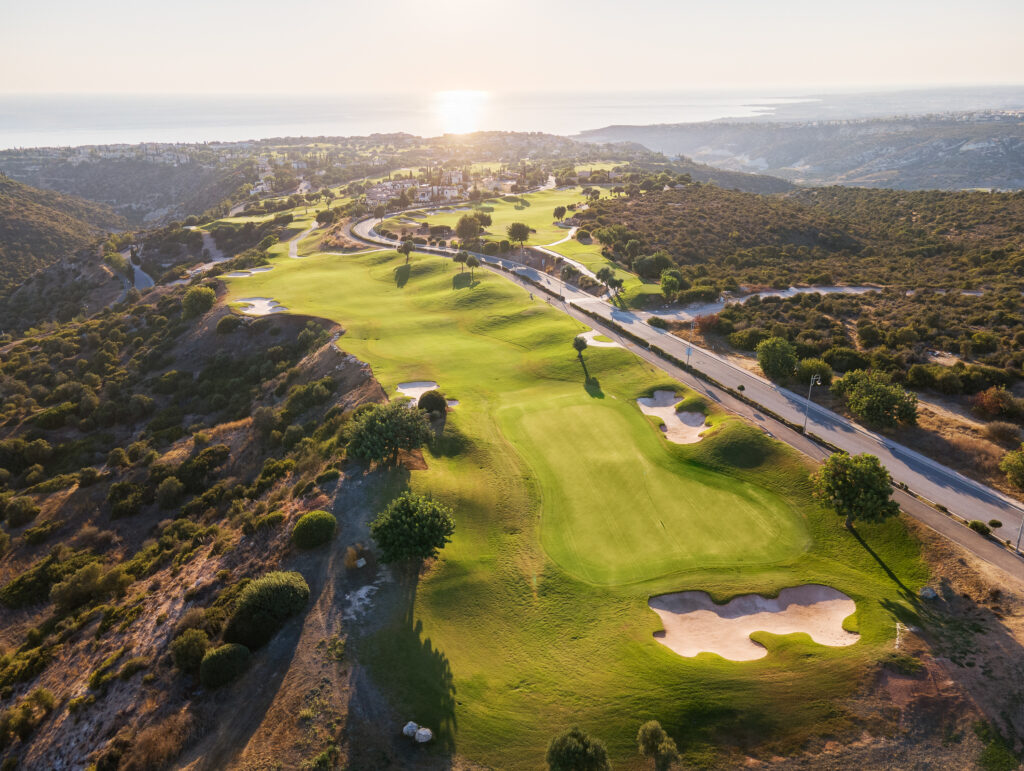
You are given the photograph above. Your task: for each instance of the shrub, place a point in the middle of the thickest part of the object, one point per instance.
(88, 475)
(777, 358)
(873, 398)
(228, 324)
(313, 529)
(1002, 432)
(1012, 465)
(188, 649)
(264, 605)
(433, 401)
(810, 367)
(572, 750)
(20, 511)
(197, 301)
(657, 321)
(582, 235)
(995, 524)
(979, 527)
(222, 665)
(169, 492)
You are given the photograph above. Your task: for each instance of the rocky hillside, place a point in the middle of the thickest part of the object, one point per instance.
(153, 463)
(40, 227)
(929, 152)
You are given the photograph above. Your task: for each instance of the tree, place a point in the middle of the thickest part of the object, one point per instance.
(672, 281)
(197, 301)
(573, 750)
(777, 358)
(857, 487)
(579, 343)
(875, 399)
(657, 745)
(1012, 465)
(412, 527)
(518, 232)
(460, 258)
(432, 401)
(406, 249)
(807, 368)
(559, 213)
(379, 211)
(472, 263)
(467, 228)
(382, 431)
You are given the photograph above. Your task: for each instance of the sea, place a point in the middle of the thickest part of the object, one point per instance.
(73, 120)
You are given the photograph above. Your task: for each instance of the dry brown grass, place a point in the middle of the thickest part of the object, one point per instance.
(159, 743)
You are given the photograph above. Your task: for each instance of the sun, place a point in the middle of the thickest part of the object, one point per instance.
(459, 112)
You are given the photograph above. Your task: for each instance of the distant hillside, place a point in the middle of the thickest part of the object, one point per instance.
(731, 180)
(39, 227)
(952, 152)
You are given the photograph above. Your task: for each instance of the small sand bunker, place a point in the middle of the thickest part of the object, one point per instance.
(260, 306)
(416, 388)
(695, 624)
(248, 272)
(590, 338)
(680, 427)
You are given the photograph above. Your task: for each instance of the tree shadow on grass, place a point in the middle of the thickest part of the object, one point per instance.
(907, 594)
(402, 275)
(463, 281)
(449, 442)
(593, 388)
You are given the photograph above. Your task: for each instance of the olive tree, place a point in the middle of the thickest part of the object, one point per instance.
(573, 750)
(657, 745)
(857, 487)
(518, 232)
(382, 431)
(412, 527)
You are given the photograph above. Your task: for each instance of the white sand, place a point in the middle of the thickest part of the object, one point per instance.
(260, 306)
(248, 271)
(694, 624)
(589, 337)
(680, 427)
(414, 389)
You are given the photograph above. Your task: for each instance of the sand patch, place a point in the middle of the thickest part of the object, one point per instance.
(679, 427)
(695, 624)
(414, 389)
(260, 306)
(248, 271)
(591, 338)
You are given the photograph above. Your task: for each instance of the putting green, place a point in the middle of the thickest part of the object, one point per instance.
(658, 515)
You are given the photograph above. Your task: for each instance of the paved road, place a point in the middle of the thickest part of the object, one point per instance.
(293, 245)
(927, 478)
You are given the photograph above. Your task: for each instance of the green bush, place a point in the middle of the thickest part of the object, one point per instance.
(222, 665)
(313, 529)
(20, 511)
(228, 324)
(169, 492)
(264, 605)
(979, 527)
(188, 649)
(433, 401)
(197, 301)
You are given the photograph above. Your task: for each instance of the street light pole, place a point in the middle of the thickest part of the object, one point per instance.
(689, 348)
(815, 380)
(1019, 534)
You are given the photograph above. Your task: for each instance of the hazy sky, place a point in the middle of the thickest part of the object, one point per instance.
(218, 46)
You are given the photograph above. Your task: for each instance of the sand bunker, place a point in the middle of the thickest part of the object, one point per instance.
(593, 333)
(416, 388)
(260, 306)
(694, 624)
(679, 427)
(248, 272)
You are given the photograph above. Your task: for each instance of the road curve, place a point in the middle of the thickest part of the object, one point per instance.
(925, 477)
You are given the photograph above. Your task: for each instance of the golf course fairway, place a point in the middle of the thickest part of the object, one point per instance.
(572, 510)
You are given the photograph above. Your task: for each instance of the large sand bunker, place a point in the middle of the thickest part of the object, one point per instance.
(679, 427)
(260, 306)
(695, 624)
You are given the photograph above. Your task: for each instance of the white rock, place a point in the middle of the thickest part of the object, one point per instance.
(410, 729)
(424, 735)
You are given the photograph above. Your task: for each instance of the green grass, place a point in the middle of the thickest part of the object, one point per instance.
(571, 510)
(537, 212)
